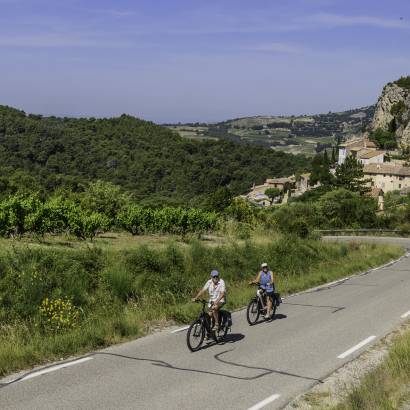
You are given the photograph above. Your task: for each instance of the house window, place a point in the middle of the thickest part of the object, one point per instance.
(399, 186)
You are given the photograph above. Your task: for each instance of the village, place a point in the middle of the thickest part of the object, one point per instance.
(383, 174)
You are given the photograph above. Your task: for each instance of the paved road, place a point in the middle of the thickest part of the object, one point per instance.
(261, 366)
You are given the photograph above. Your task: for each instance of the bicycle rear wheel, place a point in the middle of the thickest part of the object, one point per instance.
(252, 312)
(220, 334)
(195, 335)
(274, 306)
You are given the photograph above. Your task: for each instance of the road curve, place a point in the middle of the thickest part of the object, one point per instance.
(263, 366)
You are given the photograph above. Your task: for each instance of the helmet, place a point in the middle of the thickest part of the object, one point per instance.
(264, 265)
(214, 273)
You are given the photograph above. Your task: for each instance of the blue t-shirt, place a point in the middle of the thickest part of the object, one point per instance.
(265, 280)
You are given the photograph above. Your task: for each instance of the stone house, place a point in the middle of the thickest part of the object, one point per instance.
(358, 147)
(388, 177)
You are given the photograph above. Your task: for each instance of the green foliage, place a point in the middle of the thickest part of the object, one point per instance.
(342, 208)
(219, 200)
(403, 82)
(151, 162)
(138, 220)
(20, 214)
(313, 194)
(349, 175)
(241, 210)
(104, 198)
(99, 298)
(297, 218)
(321, 170)
(385, 139)
(272, 193)
(398, 108)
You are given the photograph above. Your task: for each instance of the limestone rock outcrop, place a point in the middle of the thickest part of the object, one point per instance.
(393, 111)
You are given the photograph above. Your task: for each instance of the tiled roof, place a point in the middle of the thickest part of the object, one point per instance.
(278, 180)
(386, 169)
(370, 154)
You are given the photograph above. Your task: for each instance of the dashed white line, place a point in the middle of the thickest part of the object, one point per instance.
(54, 368)
(356, 347)
(404, 315)
(180, 329)
(265, 402)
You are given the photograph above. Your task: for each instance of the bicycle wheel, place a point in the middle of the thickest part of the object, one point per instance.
(195, 336)
(274, 306)
(220, 334)
(252, 312)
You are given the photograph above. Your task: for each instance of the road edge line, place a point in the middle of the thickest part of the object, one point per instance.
(264, 402)
(356, 347)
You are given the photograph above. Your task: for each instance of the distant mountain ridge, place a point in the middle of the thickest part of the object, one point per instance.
(296, 134)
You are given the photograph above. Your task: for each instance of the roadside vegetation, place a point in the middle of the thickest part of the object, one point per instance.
(60, 298)
(387, 386)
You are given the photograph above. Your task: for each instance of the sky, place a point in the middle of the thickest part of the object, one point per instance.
(182, 61)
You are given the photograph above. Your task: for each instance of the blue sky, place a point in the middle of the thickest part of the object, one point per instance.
(180, 60)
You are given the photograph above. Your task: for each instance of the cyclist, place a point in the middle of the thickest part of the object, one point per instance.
(217, 291)
(265, 281)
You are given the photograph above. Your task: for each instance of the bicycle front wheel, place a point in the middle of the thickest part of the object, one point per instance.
(195, 336)
(252, 312)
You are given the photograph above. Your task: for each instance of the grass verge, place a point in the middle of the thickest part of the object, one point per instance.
(56, 302)
(386, 387)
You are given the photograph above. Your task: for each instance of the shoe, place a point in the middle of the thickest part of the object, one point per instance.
(267, 316)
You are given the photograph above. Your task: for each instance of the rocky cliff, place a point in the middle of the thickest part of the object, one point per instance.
(393, 110)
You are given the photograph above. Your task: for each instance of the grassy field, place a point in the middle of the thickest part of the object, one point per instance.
(61, 297)
(388, 386)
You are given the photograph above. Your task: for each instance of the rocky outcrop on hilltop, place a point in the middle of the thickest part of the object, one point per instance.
(393, 110)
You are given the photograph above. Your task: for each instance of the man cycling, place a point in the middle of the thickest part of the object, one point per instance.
(217, 291)
(265, 280)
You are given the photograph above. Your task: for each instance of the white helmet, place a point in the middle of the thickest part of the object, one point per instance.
(264, 265)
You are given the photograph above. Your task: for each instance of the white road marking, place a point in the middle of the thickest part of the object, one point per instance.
(404, 315)
(52, 369)
(265, 402)
(357, 347)
(180, 330)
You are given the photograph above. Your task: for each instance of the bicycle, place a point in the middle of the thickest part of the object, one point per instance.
(258, 305)
(203, 326)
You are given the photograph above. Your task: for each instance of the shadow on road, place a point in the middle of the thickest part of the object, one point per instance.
(262, 371)
(335, 308)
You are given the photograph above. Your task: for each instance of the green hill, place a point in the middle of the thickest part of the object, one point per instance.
(151, 161)
(307, 134)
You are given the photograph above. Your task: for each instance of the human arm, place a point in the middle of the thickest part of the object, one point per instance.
(204, 289)
(256, 280)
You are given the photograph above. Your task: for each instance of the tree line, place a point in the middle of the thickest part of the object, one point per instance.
(152, 162)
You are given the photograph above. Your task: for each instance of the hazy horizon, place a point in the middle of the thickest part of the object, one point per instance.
(189, 62)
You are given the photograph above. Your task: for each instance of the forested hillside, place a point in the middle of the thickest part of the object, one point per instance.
(152, 162)
(307, 134)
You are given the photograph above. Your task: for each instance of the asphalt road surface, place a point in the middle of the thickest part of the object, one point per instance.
(261, 366)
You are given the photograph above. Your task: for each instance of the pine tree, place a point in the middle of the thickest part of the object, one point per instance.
(349, 175)
(334, 159)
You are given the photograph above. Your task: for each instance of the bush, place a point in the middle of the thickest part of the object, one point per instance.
(342, 208)
(298, 218)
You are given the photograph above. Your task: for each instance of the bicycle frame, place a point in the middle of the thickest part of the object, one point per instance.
(205, 318)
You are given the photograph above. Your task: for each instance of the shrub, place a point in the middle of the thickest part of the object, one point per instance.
(342, 208)
(58, 314)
